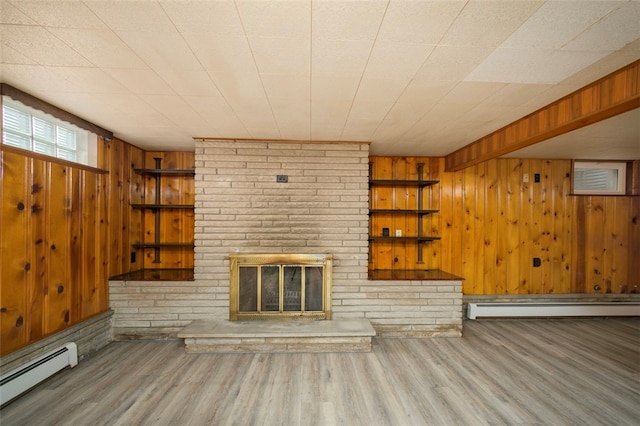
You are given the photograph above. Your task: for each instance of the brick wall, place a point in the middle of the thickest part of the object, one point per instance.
(323, 208)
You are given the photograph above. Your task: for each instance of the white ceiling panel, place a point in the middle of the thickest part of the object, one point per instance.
(167, 50)
(284, 56)
(422, 22)
(103, 48)
(204, 17)
(39, 44)
(413, 77)
(189, 83)
(286, 19)
(9, 14)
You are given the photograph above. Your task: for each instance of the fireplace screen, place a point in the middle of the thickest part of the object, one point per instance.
(266, 286)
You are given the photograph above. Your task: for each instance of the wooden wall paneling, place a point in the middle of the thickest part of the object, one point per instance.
(116, 205)
(91, 288)
(381, 198)
(633, 270)
(623, 245)
(595, 243)
(136, 195)
(534, 204)
(502, 240)
(14, 268)
(479, 217)
(560, 241)
(76, 249)
(455, 235)
(60, 281)
(513, 228)
(39, 221)
(468, 230)
(579, 242)
(491, 195)
(609, 251)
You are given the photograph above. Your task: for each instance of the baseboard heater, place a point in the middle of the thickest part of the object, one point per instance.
(553, 309)
(23, 378)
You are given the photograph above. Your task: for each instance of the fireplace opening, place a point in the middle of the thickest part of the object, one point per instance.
(277, 286)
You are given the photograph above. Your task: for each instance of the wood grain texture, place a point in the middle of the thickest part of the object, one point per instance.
(492, 224)
(551, 372)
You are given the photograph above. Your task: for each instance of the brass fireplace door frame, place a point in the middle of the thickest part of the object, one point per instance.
(236, 261)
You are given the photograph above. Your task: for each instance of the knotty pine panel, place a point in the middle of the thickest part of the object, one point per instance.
(493, 224)
(65, 237)
(15, 258)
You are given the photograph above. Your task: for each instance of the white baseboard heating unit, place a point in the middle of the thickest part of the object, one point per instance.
(552, 309)
(23, 378)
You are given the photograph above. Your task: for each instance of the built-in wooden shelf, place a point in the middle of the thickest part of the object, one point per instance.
(389, 182)
(162, 206)
(181, 172)
(155, 275)
(401, 211)
(163, 245)
(412, 274)
(407, 238)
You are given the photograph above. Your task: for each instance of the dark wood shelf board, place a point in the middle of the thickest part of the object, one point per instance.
(184, 172)
(412, 274)
(163, 245)
(390, 182)
(155, 275)
(419, 239)
(400, 211)
(162, 206)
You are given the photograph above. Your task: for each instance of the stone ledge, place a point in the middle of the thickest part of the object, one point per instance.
(211, 336)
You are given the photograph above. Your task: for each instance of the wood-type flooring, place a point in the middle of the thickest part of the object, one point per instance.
(502, 372)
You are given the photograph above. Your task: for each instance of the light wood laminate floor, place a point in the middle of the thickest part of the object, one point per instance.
(513, 372)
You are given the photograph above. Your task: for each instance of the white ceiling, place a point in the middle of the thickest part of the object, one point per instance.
(413, 77)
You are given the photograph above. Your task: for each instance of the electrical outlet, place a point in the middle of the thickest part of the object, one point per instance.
(282, 178)
(536, 178)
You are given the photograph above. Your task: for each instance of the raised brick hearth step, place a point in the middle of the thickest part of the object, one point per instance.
(221, 336)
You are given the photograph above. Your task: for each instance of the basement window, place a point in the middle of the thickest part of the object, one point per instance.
(33, 130)
(599, 177)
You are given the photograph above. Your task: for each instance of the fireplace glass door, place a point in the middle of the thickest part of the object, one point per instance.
(276, 289)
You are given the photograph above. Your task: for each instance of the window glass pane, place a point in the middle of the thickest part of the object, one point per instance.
(66, 138)
(596, 179)
(66, 154)
(16, 120)
(17, 140)
(44, 148)
(44, 130)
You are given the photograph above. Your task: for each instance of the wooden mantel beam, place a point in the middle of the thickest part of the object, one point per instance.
(614, 94)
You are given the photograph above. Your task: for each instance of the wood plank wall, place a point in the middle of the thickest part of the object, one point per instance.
(175, 225)
(492, 225)
(63, 231)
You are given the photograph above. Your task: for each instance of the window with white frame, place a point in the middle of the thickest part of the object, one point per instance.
(599, 177)
(27, 128)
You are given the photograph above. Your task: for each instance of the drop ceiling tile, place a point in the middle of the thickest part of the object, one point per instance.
(515, 94)
(222, 54)
(471, 93)
(379, 90)
(288, 112)
(556, 23)
(87, 80)
(10, 55)
(622, 26)
(9, 14)
(204, 17)
(175, 109)
(347, 20)
(189, 83)
(425, 22)
(102, 47)
(139, 16)
(339, 58)
(396, 61)
(331, 87)
(289, 19)
(216, 111)
(144, 82)
(287, 86)
(423, 95)
(255, 113)
(281, 55)
(488, 23)
(331, 111)
(60, 14)
(162, 49)
(451, 63)
(38, 43)
(239, 86)
(531, 65)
